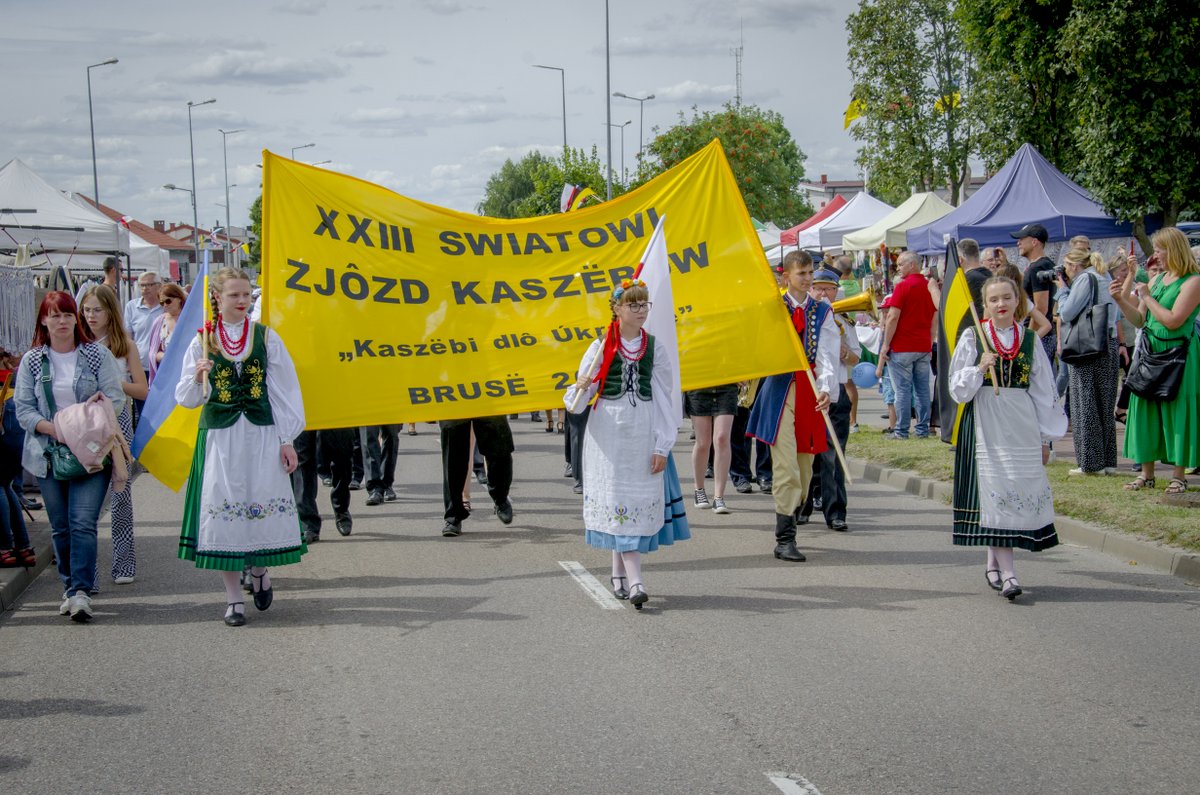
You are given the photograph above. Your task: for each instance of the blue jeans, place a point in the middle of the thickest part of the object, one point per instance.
(73, 507)
(910, 379)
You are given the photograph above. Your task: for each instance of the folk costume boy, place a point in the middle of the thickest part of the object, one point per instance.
(787, 413)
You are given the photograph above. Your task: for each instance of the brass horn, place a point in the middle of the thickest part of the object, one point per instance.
(863, 302)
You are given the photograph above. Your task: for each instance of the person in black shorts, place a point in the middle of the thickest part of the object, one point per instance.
(712, 413)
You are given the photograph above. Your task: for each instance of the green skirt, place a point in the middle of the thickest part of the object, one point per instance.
(1168, 432)
(278, 509)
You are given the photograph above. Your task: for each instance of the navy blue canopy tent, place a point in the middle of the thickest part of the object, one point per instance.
(1027, 190)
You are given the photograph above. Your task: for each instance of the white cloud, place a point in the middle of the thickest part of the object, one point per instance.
(689, 92)
(304, 8)
(445, 7)
(229, 67)
(360, 49)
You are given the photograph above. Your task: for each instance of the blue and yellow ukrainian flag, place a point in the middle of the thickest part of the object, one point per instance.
(166, 433)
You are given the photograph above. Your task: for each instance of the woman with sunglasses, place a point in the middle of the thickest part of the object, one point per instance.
(171, 296)
(102, 314)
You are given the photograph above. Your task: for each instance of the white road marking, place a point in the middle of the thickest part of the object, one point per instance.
(600, 595)
(791, 784)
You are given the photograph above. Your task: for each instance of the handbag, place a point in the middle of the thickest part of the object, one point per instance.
(1087, 337)
(60, 461)
(1157, 376)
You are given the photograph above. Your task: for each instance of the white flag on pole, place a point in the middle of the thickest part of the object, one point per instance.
(655, 271)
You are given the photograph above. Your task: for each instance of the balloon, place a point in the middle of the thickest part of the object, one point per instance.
(864, 375)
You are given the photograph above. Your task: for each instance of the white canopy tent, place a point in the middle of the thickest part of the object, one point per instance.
(143, 255)
(861, 211)
(34, 212)
(917, 210)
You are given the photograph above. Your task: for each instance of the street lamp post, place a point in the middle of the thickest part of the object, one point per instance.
(641, 101)
(92, 124)
(171, 186)
(225, 154)
(608, 103)
(192, 149)
(622, 128)
(563, 74)
(296, 149)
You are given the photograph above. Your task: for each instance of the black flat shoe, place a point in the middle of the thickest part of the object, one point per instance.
(232, 617)
(638, 596)
(504, 512)
(619, 591)
(839, 525)
(1012, 589)
(262, 599)
(452, 529)
(995, 584)
(789, 552)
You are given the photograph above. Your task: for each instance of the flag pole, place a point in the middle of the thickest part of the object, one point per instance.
(837, 447)
(986, 347)
(205, 332)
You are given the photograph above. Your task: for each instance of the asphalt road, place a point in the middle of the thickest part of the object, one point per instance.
(397, 661)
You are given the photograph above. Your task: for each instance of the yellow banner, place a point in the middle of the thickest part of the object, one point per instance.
(398, 311)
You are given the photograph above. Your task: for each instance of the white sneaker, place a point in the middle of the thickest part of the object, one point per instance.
(854, 428)
(81, 607)
(64, 609)
(1080, 471)
(719, 505)
(702, 499)
(124, 580)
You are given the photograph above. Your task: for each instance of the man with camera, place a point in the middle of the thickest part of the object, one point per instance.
(1039, 278)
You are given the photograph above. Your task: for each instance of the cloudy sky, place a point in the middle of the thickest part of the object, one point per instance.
(426, 97)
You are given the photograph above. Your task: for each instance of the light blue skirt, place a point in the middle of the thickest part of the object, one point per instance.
(675, 523)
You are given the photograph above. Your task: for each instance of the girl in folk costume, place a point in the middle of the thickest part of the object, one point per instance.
(787, 411)
(632, 502)
(1002, 498)
(239, 509)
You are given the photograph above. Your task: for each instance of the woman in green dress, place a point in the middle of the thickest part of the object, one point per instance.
(1165, 310)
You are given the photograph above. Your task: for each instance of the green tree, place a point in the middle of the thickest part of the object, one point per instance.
(254, 260)
(1134, 105)
(766, 161)
(1024, 87)
(912, 81)
(533, 185)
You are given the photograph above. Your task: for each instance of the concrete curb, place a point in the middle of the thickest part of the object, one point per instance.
(1137, 551)
(13, 582)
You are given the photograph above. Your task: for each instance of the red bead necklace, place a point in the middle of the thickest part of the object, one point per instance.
(233, 347)
(641, 351)
(1006, 353)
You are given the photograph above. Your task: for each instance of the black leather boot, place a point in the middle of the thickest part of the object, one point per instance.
(785, 538)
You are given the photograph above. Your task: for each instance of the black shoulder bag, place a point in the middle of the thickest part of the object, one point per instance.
(1157, 376)
(1087, 336)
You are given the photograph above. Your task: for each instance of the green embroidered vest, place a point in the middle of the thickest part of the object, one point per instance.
(614, 381)
(234, 393)
(1017, 373)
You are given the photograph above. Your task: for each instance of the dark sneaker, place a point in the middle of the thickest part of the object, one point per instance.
(504, 512)
(375, 497)
(310, 537)
(764, 486)
(389, 495)
(452, 529)
(355, 485)
(743, 486)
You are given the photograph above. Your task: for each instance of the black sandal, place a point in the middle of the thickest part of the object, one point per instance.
(995, 584)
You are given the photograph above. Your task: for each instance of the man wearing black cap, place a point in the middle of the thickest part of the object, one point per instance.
(1031, 243)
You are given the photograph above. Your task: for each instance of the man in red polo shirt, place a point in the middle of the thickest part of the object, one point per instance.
(907, 342)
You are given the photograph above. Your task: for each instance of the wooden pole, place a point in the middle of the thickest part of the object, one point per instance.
(837, 447)
(205, 333)
(987, 344)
